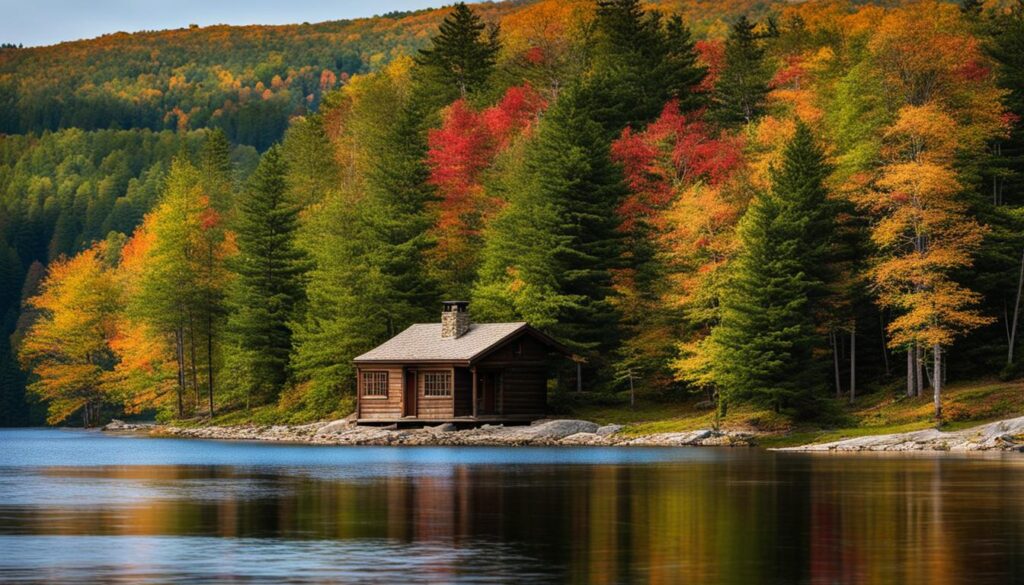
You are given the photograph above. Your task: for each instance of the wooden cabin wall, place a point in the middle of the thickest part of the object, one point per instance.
(433, 407)
(520, 349)
(379, 406)
(524, 390)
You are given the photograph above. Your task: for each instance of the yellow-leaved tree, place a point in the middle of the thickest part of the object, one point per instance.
(67, 346)
(924, 233)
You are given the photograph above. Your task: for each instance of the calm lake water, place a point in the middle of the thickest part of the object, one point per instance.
(78, 506)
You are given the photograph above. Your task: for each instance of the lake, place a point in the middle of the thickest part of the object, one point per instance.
(80, 506)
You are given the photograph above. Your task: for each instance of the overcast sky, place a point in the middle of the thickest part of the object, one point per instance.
(45, 22)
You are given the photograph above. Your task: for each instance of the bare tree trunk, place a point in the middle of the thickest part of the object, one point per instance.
(1016, 311)
(209, 359)
(885, 350)
(632, 392)
(910, 372)
(853, 361)
(835, 362)
(179, 346)
(937, 380)
(919, 366)
(194, 363)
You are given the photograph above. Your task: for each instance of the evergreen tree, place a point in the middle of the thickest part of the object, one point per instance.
(216, 168)
(641, 61)
(182, 289)
(370, 280)
(269, 288)
(764, 346)
(742, 87)
(461, 58)
(798, 185)
(549, 256)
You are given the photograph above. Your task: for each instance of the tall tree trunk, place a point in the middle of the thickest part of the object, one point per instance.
(1016, 311)
(853, 361)
(179, 345)
(835, 362)
(209, 359)
(937, 380)
(911, 384)
(885, 350)
(919, 366)
(193, 362)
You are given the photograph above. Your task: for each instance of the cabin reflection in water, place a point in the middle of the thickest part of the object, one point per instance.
(457, 371)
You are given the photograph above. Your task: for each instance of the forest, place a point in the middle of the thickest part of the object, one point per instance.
(783, 204)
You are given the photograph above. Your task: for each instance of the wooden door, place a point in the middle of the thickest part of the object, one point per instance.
(409, 394)
(486, 392)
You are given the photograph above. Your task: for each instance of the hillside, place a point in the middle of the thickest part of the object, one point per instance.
(248, 80)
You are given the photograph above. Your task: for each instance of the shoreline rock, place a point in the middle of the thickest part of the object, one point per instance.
(1004, 435)
(566, 432)
(119, 426)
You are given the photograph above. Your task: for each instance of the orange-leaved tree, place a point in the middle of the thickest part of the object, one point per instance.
(924, 233)
(144, 376)
(66, 348)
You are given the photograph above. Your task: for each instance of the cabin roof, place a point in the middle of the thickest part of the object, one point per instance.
(423, 343)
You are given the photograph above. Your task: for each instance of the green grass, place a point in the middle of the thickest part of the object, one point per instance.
(882, 412)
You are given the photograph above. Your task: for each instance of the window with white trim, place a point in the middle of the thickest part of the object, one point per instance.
(375, 384)
(437, 383)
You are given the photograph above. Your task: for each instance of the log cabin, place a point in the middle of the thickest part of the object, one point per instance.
(456, 371)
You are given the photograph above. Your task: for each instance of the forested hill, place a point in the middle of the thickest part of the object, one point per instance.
(247, 80)
(753, 203)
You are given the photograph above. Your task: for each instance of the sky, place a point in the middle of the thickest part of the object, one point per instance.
(46, 22)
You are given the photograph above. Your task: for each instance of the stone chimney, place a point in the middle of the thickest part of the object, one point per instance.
(454, 319)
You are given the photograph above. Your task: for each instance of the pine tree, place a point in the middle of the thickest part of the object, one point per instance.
(461, 58)
(181, 292)
(217, 170)
(798, 185)
(549, 256)
(270, 275)
(742, 87)
(764, 346)
(370, 280)
(641, 61)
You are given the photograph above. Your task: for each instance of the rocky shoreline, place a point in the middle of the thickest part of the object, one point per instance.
(541, 433)
(1004, 435)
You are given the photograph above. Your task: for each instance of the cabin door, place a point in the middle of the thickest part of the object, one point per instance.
(486, 392)
(409, 394)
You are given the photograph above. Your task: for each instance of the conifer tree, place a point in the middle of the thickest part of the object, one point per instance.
(550, 255)
(461, 57)
(270, 276)
(370, 281)
(764, 346)
(742, 87)
(641, 61)
(215, 166)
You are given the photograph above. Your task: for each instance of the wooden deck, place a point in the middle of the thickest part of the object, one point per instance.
(459, 421)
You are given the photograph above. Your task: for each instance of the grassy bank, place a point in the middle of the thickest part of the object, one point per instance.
(965, 404)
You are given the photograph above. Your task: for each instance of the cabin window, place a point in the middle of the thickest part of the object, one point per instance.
(375, 384)
(437, 383)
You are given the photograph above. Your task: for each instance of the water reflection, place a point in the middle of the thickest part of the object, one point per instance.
(720, 516)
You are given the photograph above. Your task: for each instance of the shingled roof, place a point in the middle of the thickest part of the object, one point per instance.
(423, 343)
